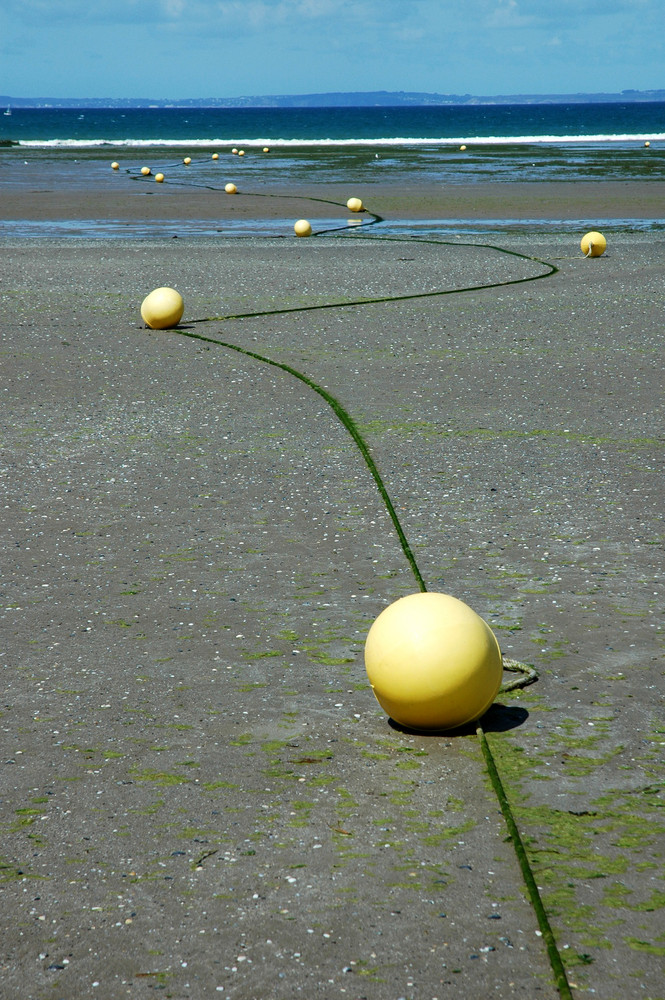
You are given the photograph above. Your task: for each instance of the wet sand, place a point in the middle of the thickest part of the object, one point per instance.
(200, 791)
(177, 200)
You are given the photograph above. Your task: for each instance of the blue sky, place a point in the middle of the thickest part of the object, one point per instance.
(231, 48)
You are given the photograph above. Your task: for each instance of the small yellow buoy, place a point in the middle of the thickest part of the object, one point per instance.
(266, 149)
(187, 161)
(241, 152)
(354, 205)
(234, 150)
(647, 143)
(163, 308)
(215, 156)
(462, 147)
(146, 171)
(302, 228)
(115, 166)
(159, 178)
(593, 244)
(230, 188)
(433, 663)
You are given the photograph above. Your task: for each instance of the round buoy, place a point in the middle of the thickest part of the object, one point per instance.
(215, 156)
(230, 188)
(266, 149)
(303, 228)
(593, 244)
(241, 152)
(187, 161)
(354, 205)
(433, 663)
(159, 178)
(163, 308)
(462, 147)
(234, 150)
(647, 143)
(115, 166)
(146, 171)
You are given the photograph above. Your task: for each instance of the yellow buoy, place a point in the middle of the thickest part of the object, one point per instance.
(593, 244)
(266, 149)
(234, 150)
(303, 228)
(146, 171)
(230, 188)
(433, 663)
(163, 308)
(159, 178)
(115, 166)
(215, 156)
(647, 143)
(187, 161)
(241, 152)
(354, 205)
(462, 147)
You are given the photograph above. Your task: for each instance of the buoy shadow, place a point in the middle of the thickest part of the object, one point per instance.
(498, 719)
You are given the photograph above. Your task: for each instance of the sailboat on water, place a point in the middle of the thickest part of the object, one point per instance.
(8, 111)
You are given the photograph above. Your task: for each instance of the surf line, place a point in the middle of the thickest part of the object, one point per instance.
(529, 674)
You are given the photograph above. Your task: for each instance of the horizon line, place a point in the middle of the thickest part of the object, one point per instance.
(404, 95)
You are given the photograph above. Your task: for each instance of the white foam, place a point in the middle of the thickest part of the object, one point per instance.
(277, 143)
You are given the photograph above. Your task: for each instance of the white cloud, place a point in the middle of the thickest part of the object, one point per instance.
(260, 13)
(507, 15)
(299, 46)
(174, 8)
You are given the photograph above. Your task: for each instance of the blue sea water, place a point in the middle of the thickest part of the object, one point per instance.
(500, 124)
(73, 148)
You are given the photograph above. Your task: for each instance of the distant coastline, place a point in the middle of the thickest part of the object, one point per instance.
(380, 98)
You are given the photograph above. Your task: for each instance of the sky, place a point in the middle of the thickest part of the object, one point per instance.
(169, 49)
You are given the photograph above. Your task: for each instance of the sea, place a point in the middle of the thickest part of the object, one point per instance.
(528, 142)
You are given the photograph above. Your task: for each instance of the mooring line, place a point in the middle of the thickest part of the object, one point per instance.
(528, 673)
(535, 898)
(347, 303)
(349, 424)
(373, 220)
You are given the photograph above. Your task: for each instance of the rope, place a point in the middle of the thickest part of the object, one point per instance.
(553, 953)
(348, 423)
(527, 673)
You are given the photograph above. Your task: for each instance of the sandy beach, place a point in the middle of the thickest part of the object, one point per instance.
(179, 201)
(201, 794)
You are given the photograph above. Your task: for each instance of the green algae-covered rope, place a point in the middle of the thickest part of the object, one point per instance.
(349, 424)
(528, 674)
(527, 872)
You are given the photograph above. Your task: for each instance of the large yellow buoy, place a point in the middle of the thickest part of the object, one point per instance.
(230, 188)
(303, 228)
(187, 161)
(163, 308)
(593, 244)
(159, 178)
(115, 166)
(433, 663)
(354, 205)
(215, 156)
(146, 171)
